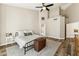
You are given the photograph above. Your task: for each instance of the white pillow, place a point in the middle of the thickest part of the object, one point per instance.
(28, 31)
(20, 33)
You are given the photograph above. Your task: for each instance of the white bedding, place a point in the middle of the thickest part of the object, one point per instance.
(22, 40)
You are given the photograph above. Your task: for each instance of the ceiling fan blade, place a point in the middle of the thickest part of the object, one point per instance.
(47, 9)
(41, 10)
(49, 5)
(39, 7)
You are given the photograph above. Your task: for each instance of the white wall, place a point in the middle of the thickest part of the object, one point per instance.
(45, 15)
(62, 27)
(70, 29)
(15, 18)
(3, 24)
(54, 12)
(0, 23)
(73, 12)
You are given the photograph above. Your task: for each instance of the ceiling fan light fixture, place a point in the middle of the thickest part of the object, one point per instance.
(44, 8)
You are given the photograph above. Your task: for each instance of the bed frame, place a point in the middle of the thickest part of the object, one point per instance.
(38, 44)
(28, 46)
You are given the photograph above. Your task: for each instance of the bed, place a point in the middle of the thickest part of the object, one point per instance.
(25, 39)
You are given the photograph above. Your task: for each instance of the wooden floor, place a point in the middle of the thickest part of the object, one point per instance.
(77, 45)
(65, 50)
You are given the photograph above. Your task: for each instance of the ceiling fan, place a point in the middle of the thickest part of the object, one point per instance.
(44, 7)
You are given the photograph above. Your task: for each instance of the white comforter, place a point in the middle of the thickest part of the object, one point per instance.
(22, 40)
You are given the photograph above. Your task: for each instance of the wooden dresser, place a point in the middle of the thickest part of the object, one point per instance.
(39, 43)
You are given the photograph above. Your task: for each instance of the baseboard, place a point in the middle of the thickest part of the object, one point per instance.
(56, 39)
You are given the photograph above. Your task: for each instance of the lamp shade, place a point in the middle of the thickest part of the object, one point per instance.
(76, 31)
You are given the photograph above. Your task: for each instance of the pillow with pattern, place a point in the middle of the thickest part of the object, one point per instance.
(29, 33)
(25, 34)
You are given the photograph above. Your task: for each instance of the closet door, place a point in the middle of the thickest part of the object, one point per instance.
(53, 27)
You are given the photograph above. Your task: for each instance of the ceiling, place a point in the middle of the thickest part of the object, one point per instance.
(33, 5)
